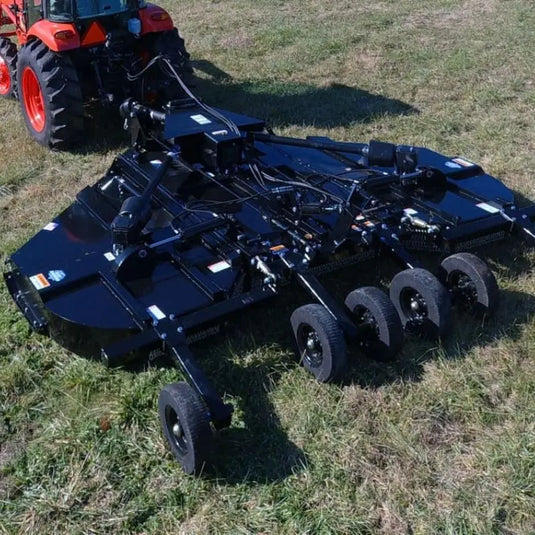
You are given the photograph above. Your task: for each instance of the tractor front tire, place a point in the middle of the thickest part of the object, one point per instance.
(8, 68)
(50, 96)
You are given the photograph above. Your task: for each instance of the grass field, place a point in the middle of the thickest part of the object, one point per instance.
(442, 441)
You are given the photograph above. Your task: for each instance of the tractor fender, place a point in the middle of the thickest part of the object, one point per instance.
(46, 31)
(155, 19)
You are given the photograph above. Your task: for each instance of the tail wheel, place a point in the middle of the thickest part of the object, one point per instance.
(422, 302)
(50, 96)
(8, 68)
(380, 330)
(186, 426)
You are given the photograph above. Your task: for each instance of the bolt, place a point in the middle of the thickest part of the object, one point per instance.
(142, 253)
(180, 330)
(163, 336)
(172, 317)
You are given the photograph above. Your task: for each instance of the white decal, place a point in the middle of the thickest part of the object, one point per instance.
(488, 208)
(219, 266)
(156, 313)
(201, 119)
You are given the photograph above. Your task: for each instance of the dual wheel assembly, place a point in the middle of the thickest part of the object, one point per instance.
(419, 304)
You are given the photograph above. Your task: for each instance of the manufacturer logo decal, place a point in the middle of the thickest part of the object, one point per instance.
(56, 275)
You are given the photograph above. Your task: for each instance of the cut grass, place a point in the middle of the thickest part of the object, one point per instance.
(442, 441)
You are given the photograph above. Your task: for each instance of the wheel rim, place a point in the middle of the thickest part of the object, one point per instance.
(33, 99)
(5, 77)
(367, 327)
(414, 306)
(310, 347)
(176, 431)
(463, 288)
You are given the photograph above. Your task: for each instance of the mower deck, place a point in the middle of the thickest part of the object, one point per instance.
(210, 213)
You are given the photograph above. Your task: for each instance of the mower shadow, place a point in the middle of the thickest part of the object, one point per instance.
(256, 449)
(259, 450)
(280, 104)
(468, 334)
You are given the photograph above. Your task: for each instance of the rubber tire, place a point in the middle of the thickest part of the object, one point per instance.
(488, 291)
(193, 417)
(331, 338)
(171, 44)
(390, 329)
(62, 95)
(437, 298)
(8, 51)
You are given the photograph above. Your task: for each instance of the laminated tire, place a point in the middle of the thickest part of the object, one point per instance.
(472, 284)
(377, 320)
(422, 302)
(320, 342)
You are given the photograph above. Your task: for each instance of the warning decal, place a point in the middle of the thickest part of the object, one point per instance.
(463, 162)
(39, 281)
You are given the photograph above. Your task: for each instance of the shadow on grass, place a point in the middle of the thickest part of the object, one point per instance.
(468, 334)
(280, 103)
(260, 450)
(284, 104)
(255, 449)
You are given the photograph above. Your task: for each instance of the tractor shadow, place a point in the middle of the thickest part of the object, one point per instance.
(284, 104)
(280, 104)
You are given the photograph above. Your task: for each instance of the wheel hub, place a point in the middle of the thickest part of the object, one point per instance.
(464, 289)
(177, 430)
(5, 77)
(367, 326)
(32, 97)
(415, 306)
(312, 351)
(313, 342)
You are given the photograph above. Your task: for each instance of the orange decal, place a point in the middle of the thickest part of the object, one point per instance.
(95, 35)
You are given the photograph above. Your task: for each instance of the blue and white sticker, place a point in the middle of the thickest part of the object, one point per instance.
(56, 275)
(50, 226)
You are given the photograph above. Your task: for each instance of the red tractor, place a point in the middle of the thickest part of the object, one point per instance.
(73, 52)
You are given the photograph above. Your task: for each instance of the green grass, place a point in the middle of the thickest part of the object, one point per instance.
(442, 441)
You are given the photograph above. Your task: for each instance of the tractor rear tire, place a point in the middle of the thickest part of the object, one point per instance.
(160, 79)
(50, 96)
(171, 45)
(8, 68)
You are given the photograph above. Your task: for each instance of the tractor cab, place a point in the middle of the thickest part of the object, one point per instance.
(75, 10)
